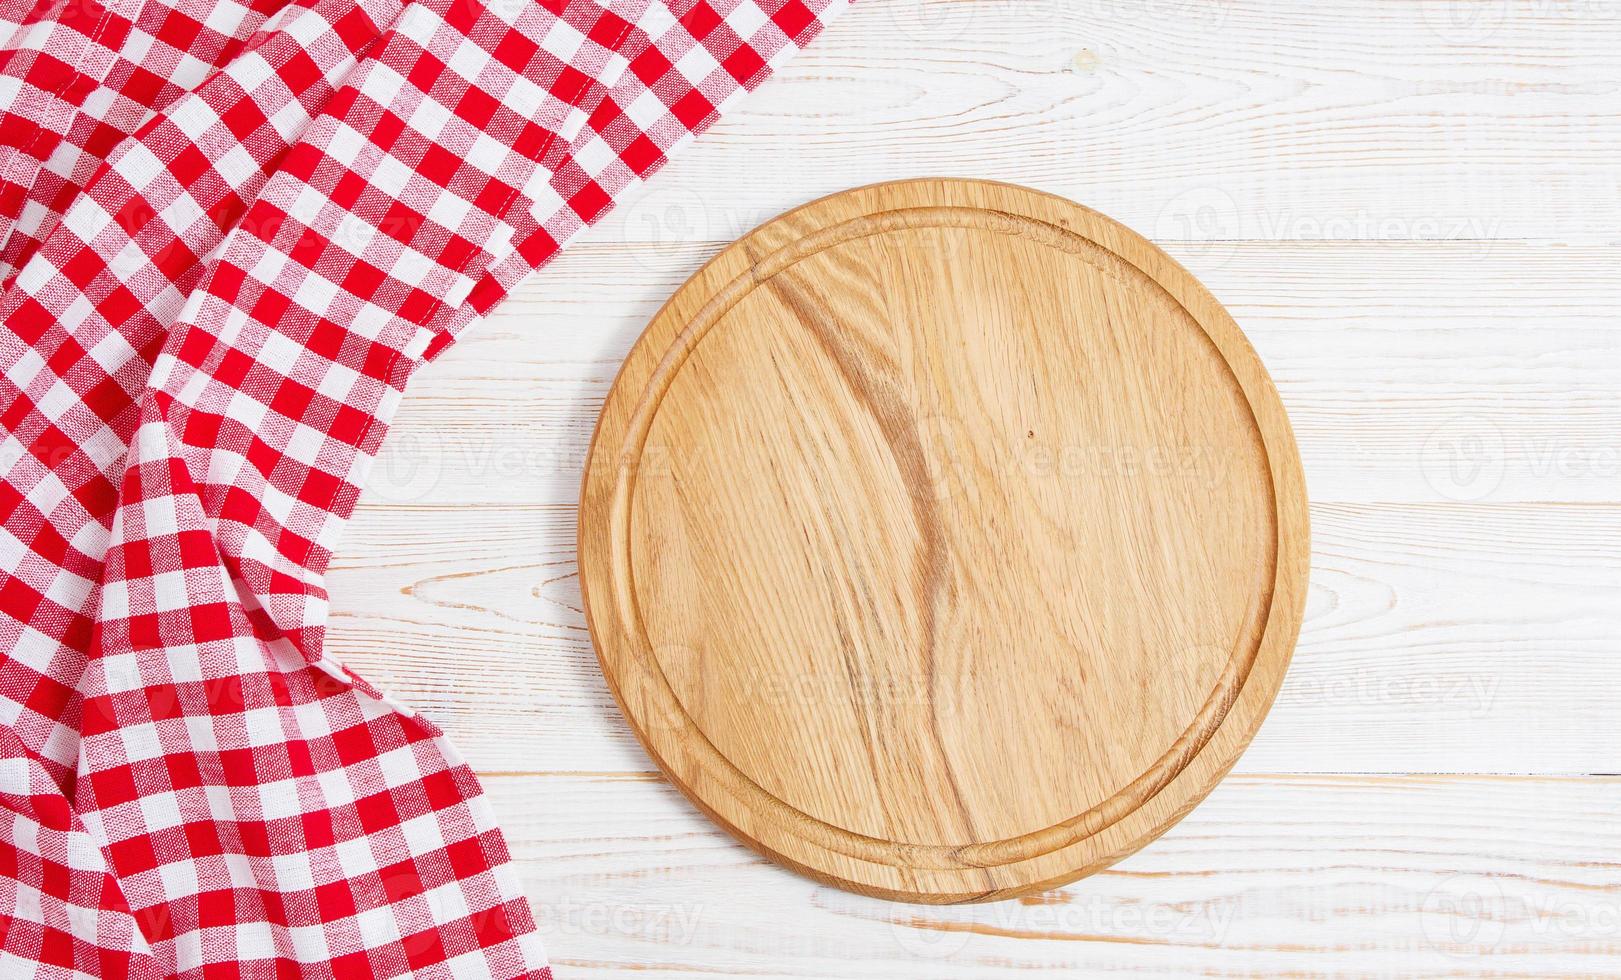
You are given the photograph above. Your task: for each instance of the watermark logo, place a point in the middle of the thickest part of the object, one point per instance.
(1477, 22)
(940, 693)
(947, 933)
(657, 711)
(408, 470)
(1465, 22)
(1464, 458)
(1464, 915)
(665, 923)
(928, 22)
(1203, 224)
(1473, 695)
(926, 940)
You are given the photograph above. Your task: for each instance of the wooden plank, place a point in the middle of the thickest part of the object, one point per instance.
(1419, 373)
(1305, 875)
(1459, 637)
(1254, 119)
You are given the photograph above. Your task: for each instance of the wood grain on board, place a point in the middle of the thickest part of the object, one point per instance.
(944, 539)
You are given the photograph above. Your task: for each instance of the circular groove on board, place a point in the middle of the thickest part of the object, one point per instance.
(943, 540)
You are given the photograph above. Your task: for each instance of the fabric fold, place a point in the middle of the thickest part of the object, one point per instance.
(88, 75)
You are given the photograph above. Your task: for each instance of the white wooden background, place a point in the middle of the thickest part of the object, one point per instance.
(1413, 207)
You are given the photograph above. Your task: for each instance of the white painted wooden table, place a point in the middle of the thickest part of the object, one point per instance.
(1413, 207)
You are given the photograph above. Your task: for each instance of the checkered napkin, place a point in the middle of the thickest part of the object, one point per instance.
(229, 232)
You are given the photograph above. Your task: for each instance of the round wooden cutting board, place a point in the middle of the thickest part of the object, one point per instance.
(944, 540)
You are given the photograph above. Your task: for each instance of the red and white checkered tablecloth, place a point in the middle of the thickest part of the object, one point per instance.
(229, 232)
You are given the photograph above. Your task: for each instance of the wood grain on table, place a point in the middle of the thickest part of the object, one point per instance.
(1412, 208)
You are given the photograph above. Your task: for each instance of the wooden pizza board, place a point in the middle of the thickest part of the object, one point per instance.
(944, 540)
